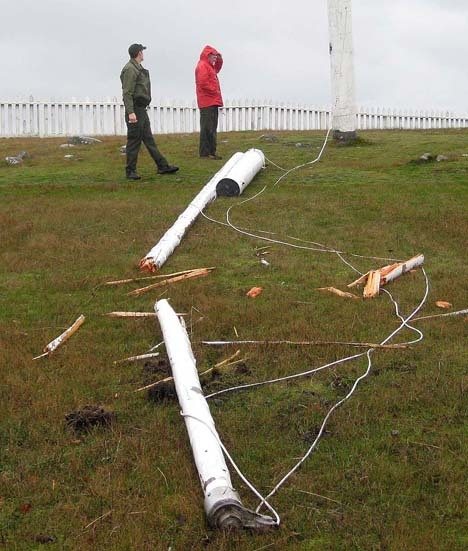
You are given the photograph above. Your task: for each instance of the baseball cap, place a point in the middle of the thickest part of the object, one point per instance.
(135, 48)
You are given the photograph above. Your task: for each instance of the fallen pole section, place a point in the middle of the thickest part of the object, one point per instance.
(375, 279)
(240, 176)
(231, 180)
(223, 506)
(173, 236)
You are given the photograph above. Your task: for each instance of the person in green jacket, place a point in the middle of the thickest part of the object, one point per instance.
(136, 90)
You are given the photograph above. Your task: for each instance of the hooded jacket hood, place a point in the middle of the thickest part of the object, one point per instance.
(207, 83)
(207, 50)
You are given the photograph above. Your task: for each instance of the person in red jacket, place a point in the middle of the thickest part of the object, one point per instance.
(209, 99)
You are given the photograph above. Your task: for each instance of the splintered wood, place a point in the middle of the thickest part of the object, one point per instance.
(53, 345)
(131, 314)
(199, 272)
(254, 292)
(337, 292)
(374, 279)
(228, 362)
(133, 279)
(372, 287)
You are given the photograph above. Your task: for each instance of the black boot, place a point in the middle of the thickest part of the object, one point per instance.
(169, 169)
(133, 175)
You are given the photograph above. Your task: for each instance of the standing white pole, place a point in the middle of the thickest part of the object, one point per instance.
(342, 70)
(223, 506)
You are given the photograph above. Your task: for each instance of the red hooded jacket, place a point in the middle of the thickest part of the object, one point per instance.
(206, 79)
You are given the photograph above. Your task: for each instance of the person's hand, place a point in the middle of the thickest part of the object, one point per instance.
(132, 118)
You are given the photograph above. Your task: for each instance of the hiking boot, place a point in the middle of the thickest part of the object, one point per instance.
(169, 169)
(133, 175)
(212, 157)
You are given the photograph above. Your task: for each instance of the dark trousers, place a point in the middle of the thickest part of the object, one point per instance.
(138, 132)
(208, 128)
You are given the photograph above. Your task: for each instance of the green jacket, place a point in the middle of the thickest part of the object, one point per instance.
(136, 86)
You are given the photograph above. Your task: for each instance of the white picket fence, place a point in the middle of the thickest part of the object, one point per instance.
(101, 118)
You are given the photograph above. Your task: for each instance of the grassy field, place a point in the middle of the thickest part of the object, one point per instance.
(390, 472)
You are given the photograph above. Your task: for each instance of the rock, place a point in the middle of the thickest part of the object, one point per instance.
(13, 160)
(269, 138)
(123, 149)
(69, 156)
(65, 145)
(426, 157)
(17, 159)
(395, 432)
(83, 140)
(441, 158)
(299, 144)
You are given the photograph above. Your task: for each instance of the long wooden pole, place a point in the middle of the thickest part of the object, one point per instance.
(342, 70)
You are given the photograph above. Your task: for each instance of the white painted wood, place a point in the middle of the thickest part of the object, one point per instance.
(223, 506)
(172, 238)
(241, 174)
(341, 65)
(30, 118)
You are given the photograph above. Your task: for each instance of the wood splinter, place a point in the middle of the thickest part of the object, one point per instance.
(228, 362)
(53, 345)
(338, 292)
(201, 272)
(372, 288)
(160, 276)
(137, 358)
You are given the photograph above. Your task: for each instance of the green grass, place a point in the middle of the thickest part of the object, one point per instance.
(394, 459)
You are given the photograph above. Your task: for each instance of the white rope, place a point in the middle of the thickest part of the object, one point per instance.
(236, 468)
(355, 385)
(318, 248)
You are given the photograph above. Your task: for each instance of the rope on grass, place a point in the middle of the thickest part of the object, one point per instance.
(340, 254)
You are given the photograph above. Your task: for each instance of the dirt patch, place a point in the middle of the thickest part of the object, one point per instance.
(82, 420)
(44, 539)
(164, 391)
(159, 369)
(243, 369)
(310, 435)
(154, 368)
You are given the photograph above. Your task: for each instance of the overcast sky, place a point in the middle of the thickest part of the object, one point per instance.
(408, 53)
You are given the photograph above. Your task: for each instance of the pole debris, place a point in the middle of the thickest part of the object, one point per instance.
(374, 279)
(137, 358)
(223, 506)
(229, 362)
(338, 292)
(307, 343)
(53, 345)
(201, 272)
(159, 276)
(173, 236)
(131, 315)
(458, 313)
